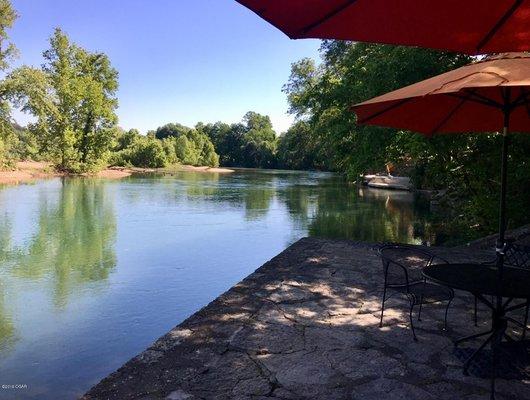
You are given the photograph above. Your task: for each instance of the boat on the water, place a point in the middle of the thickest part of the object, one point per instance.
(388, 182)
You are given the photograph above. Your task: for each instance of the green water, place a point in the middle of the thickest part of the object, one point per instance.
(93, 271)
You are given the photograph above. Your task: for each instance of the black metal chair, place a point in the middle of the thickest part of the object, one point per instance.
(402, 267)
(518, 256)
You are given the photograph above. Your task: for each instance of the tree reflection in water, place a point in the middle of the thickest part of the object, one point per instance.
(74, 242)
(321, 204)
(183, 239)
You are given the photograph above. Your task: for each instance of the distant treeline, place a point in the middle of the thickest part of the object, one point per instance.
(72, 98)
(251, 143)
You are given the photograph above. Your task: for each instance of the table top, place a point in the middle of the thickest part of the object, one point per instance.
(481, 279)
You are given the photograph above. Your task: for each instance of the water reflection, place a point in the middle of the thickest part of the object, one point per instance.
(363, 214)
(85, 265)
(74, 242)
(321, 204)
(8, 336)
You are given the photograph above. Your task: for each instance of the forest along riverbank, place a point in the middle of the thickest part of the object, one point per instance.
(30, 171)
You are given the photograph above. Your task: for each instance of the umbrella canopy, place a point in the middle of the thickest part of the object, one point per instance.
(485, 96)
(471, 26)
(472, 98)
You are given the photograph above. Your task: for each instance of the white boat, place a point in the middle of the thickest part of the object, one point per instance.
(388, 182)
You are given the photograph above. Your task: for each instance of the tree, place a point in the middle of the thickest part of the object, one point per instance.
(296, 150)
(126, 139)
(190, 146)
(7, 53)
(25, 87)
(168, 144)
(251, 143)
(228, 141)
(261, 141)
(147, 152)
(467, 166)
(82, 87)
(171, 130)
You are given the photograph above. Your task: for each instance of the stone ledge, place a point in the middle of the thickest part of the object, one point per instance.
(305, 326)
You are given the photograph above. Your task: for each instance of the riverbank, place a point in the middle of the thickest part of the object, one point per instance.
(305, 326)
(30, 171)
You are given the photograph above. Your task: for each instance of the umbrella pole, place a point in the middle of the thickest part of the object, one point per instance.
(502, 213)
(499, 324)
(501, 242)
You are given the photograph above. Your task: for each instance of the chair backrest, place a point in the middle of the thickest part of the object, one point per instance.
(403, 264)
(517, 255)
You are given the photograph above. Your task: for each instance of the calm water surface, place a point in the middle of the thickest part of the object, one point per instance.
(93, 271)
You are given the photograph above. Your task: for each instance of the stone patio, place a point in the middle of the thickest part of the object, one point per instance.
(305, 326)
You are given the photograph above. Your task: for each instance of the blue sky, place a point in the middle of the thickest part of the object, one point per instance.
(179, 60)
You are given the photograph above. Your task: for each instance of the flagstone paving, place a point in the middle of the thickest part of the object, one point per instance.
(305, 326)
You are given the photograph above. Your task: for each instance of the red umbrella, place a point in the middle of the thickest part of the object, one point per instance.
(470, 26)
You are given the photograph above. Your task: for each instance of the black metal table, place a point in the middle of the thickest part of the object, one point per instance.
(482, 280)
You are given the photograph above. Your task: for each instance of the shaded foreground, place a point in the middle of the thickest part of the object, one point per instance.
(305, 326)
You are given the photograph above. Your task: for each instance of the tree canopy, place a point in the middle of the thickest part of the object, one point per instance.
(467, 166)
(82, 86)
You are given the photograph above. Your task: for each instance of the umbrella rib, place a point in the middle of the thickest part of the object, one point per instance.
(480, 99)
(335, 12)
(451, 113)
(486, 99)
(389, 108)
(521, 100)
(500, 23)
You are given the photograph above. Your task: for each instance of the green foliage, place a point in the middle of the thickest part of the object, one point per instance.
(148, 152)
(23, 145)
(7, 52)
(187, 147)
(227, 139)
(133, 149)
(295, 149)
(351, 73)
(25, 88)
(327, 135)
(171, 130)
(168, 144)
(252, 143)
(7, 18)
(126, 139)
(186, 151)
(73, 98)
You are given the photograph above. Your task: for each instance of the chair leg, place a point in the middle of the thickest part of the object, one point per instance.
(421, 299)
(476, 309)
(525, 323)
(467, 363)
(412, 322)
(446, 311)
(382, 308)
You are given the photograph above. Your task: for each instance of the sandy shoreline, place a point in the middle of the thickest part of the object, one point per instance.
(191, 168)
(29, 171)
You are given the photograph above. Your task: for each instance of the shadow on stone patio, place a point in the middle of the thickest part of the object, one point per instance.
(305, 326)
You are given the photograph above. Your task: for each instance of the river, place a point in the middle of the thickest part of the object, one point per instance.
(93, 271)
